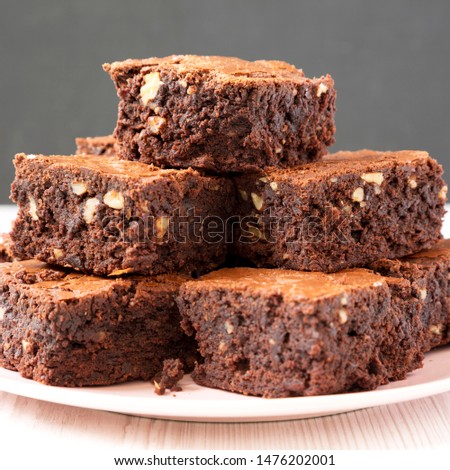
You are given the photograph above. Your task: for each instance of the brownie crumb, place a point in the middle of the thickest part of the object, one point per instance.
(171, 374)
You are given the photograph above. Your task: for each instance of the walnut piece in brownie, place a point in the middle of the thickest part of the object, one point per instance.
(349, 210)
(280, 333)
(221, 114)
(429, 273)
(102, 215)
(69, 329)
(172, 373)
(101, 145)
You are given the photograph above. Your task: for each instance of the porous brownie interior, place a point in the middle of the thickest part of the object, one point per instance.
(282, 333)
(428, 273)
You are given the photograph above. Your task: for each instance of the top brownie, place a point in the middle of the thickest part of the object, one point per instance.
(221, 114)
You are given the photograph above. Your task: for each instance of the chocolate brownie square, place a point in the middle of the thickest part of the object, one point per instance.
(349, 210)
(69, 329)
(101, 145)
(221, 114)
(102, 215)
(428, 272)
(280, 333)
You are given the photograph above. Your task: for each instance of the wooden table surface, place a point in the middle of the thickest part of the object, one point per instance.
(417, 424)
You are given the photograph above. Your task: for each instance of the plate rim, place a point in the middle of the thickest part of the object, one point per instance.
(241, 409)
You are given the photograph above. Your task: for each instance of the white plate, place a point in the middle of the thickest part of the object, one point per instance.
(197, 403)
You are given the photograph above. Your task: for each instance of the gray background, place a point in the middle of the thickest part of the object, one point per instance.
(390, 61)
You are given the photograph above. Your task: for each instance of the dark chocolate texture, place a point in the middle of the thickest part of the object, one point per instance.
(428, 272)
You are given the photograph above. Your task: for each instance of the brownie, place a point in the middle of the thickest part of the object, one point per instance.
(221, 114)
(64, 328)
(5, 248)
(347, 211)
(428, 272)
(102, 215)
(102, 145)
(281, 333)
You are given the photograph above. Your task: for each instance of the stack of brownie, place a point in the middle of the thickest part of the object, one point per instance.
(214, 232)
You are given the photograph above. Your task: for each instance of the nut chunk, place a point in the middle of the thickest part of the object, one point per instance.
(292, 333)
(347, 211)
(70, 329)
(106, 216)
(221, 113)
